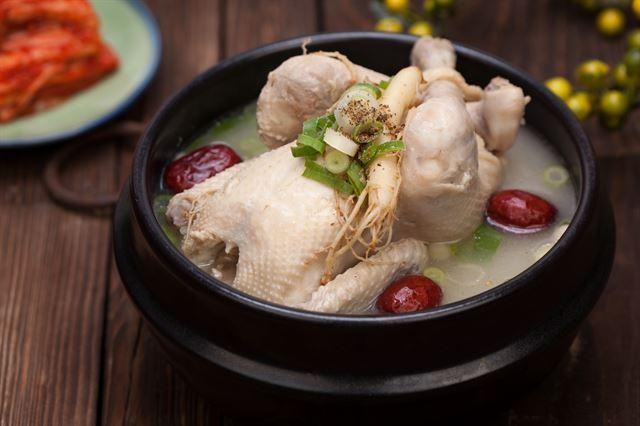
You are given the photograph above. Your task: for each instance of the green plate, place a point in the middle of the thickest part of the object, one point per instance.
(130, 29)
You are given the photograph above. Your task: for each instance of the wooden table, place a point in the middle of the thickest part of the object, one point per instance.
(74, 351)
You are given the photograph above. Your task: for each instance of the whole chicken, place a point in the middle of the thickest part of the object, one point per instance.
(268, 231)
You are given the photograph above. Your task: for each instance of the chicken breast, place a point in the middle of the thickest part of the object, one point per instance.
(279, 225)
(280, 222)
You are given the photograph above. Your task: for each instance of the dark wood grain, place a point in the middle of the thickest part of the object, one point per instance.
(52, 278)
(140, 387)
(73, 349)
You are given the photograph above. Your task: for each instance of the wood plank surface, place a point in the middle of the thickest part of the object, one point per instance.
(73, 349)
(52, 292)
(140, 387)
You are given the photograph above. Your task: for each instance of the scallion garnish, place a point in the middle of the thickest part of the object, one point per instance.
(355, 174)
(480, 247)
(320, 174)
(366, 132)
(555, 176)
(384, 84)
(375, 91)
(372, 151)
(303, 151)
(336, 162)
(317, 144)
(315, 127)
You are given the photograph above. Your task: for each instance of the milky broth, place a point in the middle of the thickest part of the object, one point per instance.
(524, 169)
(525, 166)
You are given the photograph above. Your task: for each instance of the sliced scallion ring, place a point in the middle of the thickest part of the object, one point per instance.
(384, 84)
(373, 151)
(340, 142)
(336, 162)
(367, 131)
(355, 174)
(320, 174)
(555, 176)
(364, 86)
(435, 274)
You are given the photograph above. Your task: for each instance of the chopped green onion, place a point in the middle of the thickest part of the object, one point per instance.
(303, 151)
(434, 274)
(160, 209)
(355, 174)
(340, 142)
(439, 251)
(375, 91)
(384, 84)
(373, 151)
(316, 144)
(318, 173)
(315, 127)
(480, 247)
(337, 162)
(368, 153)
(391, 146)
(486, 239)
(555, 176)
(367, 131)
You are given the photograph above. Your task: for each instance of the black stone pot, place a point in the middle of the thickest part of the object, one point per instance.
(263, 359)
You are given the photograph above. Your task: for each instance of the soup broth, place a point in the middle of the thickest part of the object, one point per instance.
(457, 268)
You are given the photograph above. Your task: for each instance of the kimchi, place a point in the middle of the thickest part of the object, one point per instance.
(49, 50)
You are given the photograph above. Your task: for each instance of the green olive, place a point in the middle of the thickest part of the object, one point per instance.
(396, 6)
(429, 6)
(614, 103)
(610, 21)
(632, 61)
(621, 76)
(580, 104)
(588, 5)
(389, 25)
(592, 74)
(421, 29)
(633, 40)
(559, 86)
(445, 4)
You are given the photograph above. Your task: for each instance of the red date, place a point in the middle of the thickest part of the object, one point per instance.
(519, 211)
(199, 165)
(409, 294)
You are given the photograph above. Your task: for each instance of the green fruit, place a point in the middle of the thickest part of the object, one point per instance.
(389, 25)
(632, 61)
(633, 40)
(592, 74)
(580, 104)
(429, 6)
(559, 86)
(614, 103)
(445, 4)
(611, 22)
(421, 29)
